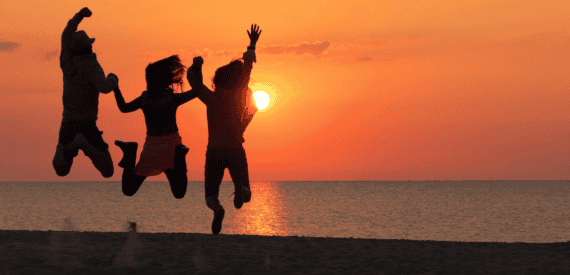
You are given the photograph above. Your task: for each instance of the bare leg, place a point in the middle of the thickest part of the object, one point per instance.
(177, 176)
(131, 182)
(178, 182)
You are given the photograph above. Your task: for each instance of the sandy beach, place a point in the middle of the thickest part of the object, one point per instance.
(70, 252)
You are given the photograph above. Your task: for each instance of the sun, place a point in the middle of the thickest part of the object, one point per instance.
(261, 99)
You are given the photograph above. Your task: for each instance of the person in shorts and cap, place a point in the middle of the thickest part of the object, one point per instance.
(83, 80)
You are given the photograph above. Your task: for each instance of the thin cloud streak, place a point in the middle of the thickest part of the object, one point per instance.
(9, 46)
(378, 48)
(316, 48)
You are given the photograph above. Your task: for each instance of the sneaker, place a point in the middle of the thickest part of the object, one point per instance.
(246, 194)
(129, 153)
(238, 198)
(218, 218)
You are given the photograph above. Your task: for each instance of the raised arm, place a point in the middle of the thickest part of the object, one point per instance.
(248, 57)
(196, 81)
(67, 35)
(123, 106)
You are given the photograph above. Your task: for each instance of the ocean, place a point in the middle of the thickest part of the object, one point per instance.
(482, 211)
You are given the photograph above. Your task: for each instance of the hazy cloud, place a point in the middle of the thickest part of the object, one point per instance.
(404, 44)
(375, 58)
(365, 58)
(316, 48)
(8, 46)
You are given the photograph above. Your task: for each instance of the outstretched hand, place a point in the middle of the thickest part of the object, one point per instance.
(85, 12)
(254, 34)
(197, 61)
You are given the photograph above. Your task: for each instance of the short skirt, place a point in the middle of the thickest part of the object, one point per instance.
(157, 155)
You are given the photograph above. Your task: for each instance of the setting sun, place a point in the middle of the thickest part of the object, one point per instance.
(261, 99)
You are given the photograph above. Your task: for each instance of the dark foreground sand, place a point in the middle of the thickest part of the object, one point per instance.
(68, 252)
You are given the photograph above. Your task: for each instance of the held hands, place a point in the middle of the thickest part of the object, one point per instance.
(115, 80)
(85, 12)
(254, 34)
(193, 73)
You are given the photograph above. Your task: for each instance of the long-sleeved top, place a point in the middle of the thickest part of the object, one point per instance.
(159, 111)
(83, 79)
(226, 109)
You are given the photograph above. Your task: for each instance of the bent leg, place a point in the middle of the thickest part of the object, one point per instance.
(237, 165)
(65, 151)
(131, 182)
(177, 176)
(97, 150)
(129, 153)
(104, 163)
(63, 159)
(178, 182)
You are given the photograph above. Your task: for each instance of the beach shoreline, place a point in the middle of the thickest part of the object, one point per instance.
(72, 252)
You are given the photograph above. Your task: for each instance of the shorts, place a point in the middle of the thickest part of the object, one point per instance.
(69, 130)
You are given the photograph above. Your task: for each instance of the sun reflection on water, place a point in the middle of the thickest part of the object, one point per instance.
(263, 215)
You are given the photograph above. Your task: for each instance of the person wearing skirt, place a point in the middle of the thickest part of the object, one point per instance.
(163, 150)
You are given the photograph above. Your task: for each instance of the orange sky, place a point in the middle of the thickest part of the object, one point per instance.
(362, 90)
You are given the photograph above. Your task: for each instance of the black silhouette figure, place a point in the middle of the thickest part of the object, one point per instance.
(229, 112)
(83, 80)
(163, 150)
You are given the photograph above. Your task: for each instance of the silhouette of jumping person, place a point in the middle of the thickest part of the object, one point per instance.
(228, 113)
(163, 150)
(83, 80)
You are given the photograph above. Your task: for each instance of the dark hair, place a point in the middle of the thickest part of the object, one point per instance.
(227, 76)
(83, 51)
(163, 73)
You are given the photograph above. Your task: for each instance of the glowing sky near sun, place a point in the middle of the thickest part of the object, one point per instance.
(359, 90)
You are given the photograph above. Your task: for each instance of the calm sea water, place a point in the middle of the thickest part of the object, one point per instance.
(498, 211)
